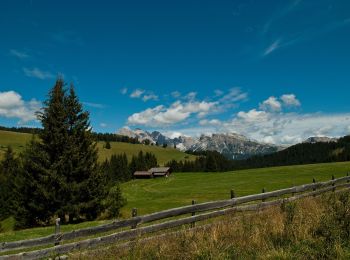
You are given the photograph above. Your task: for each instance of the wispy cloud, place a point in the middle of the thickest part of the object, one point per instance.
(19, 54)
(137, 93)
(94, 105)
(272, 47)
(124, 91)
(67, 37)
(38, 73)
(150, 96)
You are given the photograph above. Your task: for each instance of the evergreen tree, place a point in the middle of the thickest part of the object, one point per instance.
(114, 201)
(34, 189)
(108, 145)
(61, 168)
(85, 185)
(9, 168)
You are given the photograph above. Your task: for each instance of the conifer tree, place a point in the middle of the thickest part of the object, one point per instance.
(9, 168)
(34, 189)
(61, 169)
(82, 172)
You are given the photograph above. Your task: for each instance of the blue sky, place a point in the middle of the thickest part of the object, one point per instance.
(276, 71)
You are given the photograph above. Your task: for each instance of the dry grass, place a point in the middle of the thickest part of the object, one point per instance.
(300, 230)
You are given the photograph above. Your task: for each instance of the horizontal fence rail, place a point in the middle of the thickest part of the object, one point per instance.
(222, 207)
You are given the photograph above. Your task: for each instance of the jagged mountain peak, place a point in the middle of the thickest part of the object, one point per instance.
(232, 145)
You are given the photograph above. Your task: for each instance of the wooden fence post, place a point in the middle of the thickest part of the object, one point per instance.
(193, 224)
(314, 189)
(134, 214)
(263, 191)
(333, 183)
(57, 231)
(233, 195)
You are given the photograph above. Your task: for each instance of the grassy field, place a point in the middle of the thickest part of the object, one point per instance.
(18, 140)
(180, 189)
(152, 195)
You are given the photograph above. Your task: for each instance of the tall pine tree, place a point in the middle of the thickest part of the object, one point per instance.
(60, 171)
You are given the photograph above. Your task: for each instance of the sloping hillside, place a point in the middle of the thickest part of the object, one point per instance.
(18, 140)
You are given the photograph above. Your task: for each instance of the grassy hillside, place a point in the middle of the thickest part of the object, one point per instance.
(180, 189)
(163, 154)
(152, 195)
(18, 140)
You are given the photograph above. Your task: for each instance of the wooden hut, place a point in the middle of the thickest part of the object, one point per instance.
(160, 171)
(143, 174)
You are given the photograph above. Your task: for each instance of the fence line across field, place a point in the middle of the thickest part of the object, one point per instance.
(222, 207)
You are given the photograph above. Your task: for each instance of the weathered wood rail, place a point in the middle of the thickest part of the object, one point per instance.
(215, 208)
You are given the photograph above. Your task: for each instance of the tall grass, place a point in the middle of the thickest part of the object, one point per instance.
(313, 228)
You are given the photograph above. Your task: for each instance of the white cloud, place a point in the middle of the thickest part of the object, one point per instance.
(149, 97)
(177, 112)
(38, 73)
(137, 93)
(253, 115)
(290, 100)
(213, 122)
(271, 104)
(172, 134)
(10, 99)
(103, 125)
(287, 128)
(124, 91)
(13, 106)
(271, 48)
(19, 54)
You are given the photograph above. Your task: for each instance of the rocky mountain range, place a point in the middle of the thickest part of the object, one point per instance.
(233, 146)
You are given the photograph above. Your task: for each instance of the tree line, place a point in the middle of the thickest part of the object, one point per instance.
(304, 153)
(118, 169)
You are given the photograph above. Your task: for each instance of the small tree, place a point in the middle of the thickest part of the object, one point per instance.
(114, 201)
(165, 145)
(108, 145)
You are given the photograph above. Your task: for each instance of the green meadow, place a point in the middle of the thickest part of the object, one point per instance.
(152, 195)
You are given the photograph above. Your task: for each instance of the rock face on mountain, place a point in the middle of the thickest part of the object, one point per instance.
(231, 145)
(319, 139)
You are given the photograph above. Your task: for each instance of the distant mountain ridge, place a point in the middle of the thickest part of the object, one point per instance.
(231, 145)
(320, 139)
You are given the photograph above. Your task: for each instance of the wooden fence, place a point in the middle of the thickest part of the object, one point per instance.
(208, 210)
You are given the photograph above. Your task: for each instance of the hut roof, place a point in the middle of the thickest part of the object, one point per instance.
(142, 173)
(159, 169)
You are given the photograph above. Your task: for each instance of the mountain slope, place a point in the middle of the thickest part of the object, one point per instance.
(231, 145)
